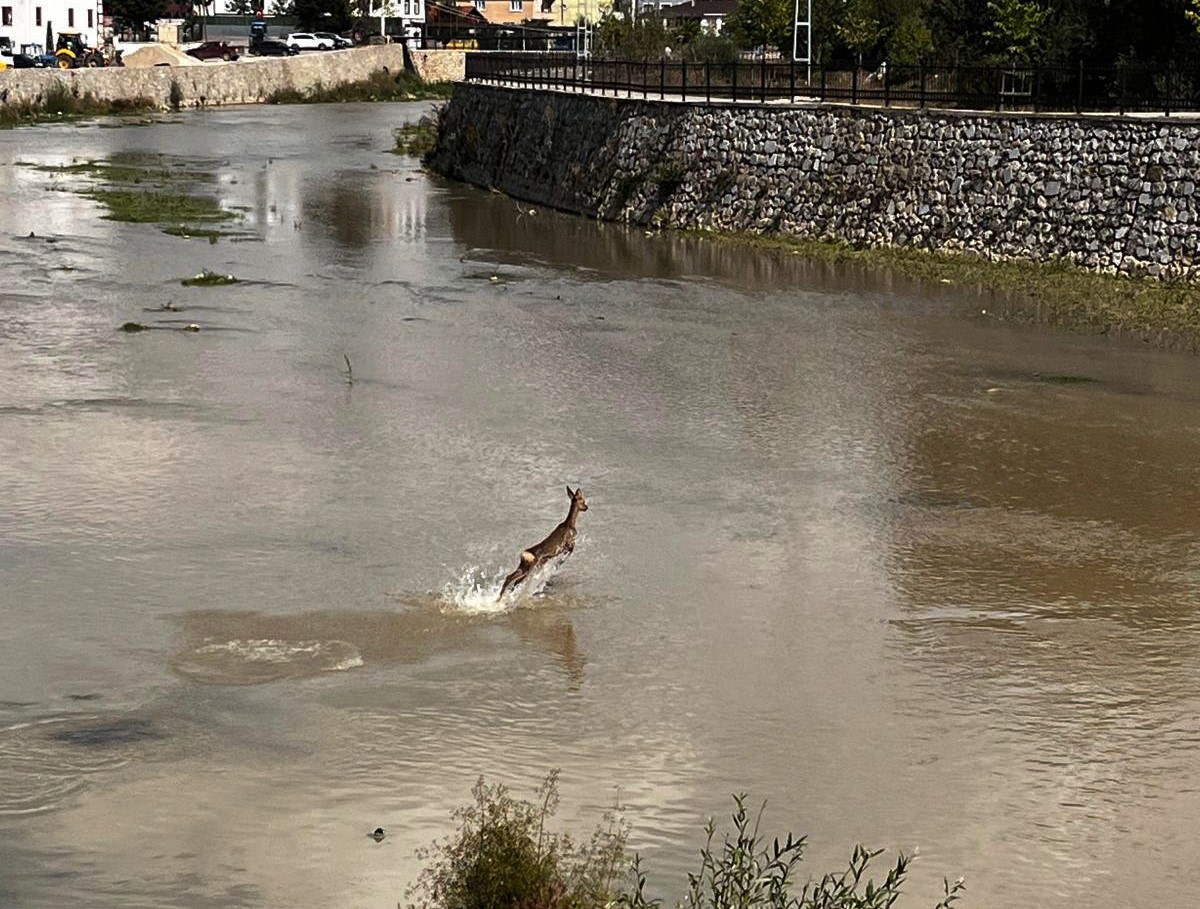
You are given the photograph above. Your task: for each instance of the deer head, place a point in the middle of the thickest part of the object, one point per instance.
(577, 499)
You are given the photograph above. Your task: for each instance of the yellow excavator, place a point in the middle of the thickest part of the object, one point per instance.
(71, 52)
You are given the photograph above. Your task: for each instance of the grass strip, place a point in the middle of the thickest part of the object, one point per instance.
(381, 85)
(1163, 312)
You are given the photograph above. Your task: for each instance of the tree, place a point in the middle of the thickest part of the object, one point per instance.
(241, 7)
(763, 23)
(910, 40)
(134, 15)
(323, 15)
(859, 28)
(1016, 27)
(282, 8)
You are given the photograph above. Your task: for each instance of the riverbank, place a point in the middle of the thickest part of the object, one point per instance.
(364, 73)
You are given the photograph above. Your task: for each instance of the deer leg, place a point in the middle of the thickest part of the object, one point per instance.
(518, 574)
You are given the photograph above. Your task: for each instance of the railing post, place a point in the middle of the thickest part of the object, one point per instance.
(1121, 101)
(823, 82)
(1037, 87)
(733, 87)
(887, 85)
(707, 82)
(1167, 103)
(683, 81)
(922, 95)
(854, 87)
(762, 78)
(662, 79)
(1079, 89)
(792, 81)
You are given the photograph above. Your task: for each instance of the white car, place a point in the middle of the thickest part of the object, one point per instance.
(337, 42)
(307, 41)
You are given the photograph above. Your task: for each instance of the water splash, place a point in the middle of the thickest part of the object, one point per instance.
(477, 592)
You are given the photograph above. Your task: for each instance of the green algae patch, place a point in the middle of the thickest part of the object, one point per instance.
(155, 207)
(126, 171)
(143, 188)
(209, 279)
(1165, 313)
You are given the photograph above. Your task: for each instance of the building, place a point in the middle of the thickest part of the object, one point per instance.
(711, 14)
(32, 21)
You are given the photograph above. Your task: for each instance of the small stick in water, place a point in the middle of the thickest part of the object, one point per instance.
(349, 370)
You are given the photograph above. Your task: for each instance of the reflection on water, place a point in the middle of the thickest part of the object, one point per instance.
(915, 578)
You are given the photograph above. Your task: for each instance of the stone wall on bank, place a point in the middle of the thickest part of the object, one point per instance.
(248, 81)
(440, 65)
(1115, 195)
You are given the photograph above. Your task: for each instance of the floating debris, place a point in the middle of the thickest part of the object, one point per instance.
(191, 326)
(207, 278)
(132, 326)
(377, 834)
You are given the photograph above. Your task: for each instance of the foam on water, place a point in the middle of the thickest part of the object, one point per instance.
(252, 660)
(478, 593)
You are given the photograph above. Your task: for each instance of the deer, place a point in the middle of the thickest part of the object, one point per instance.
(558, 544)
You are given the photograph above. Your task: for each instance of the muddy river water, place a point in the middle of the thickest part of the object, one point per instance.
(916, 576)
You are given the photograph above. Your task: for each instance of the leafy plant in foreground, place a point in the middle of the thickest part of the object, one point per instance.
(748, 872)
(503, 856)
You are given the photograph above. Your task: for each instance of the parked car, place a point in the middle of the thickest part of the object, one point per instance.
(307, 41)
(214, 50)
(269, 47)
(337, 42)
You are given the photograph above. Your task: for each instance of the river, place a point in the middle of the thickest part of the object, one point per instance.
(916, 576)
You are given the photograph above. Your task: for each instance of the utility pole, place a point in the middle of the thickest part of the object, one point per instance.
(803, 22)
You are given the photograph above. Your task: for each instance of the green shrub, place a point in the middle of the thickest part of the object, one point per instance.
(419, 138)
(750, 872)
(503, 857)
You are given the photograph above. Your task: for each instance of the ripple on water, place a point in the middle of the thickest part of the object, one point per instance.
(252, 661)
(45, 760)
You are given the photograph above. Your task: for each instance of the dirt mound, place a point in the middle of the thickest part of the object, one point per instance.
(159, 55)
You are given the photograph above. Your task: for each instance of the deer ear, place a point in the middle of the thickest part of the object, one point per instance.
(570, 494)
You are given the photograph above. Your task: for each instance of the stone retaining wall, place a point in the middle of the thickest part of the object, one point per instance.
(440, 65)
(248, 81)
(1115, 195)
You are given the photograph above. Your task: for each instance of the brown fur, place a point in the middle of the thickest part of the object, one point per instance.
(560, 542)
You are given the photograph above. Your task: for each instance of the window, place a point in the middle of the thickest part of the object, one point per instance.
(89, 18)
(481, 4)
(5, 15)
(515, 6)
(37, 15)
(408, 7)
(71, 17)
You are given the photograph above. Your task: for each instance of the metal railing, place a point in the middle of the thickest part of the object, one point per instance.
(1034, 89)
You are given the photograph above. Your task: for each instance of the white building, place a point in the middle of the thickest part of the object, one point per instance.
(25, 21)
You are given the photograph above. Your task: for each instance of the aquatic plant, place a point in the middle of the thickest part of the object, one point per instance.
(503, 855)
(748, 871)
(208, 278)
(418, 138)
